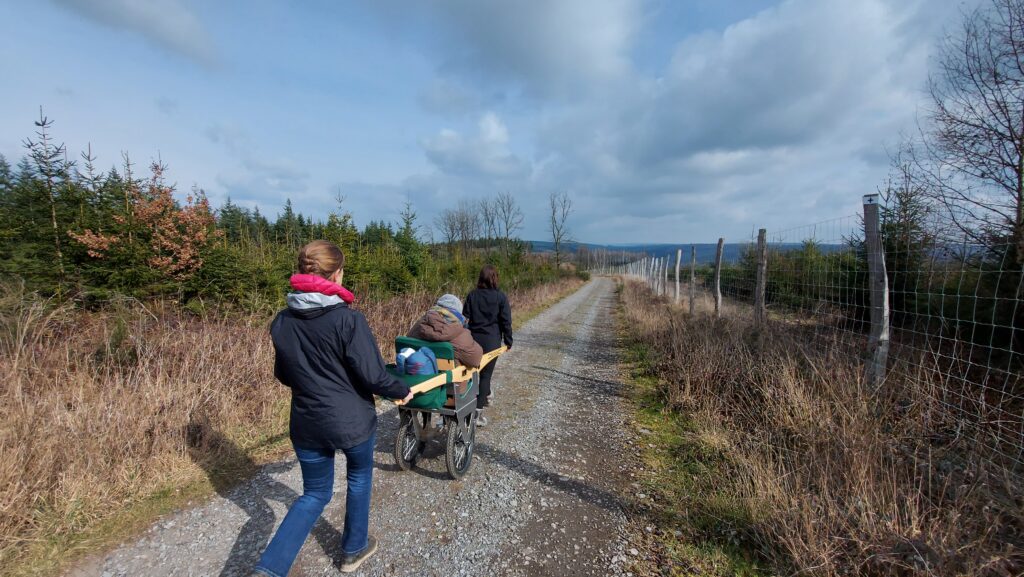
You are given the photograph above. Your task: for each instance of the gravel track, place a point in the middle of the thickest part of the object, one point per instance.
(544, 496)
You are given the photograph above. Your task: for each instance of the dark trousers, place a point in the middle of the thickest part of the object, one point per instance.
(485, 384)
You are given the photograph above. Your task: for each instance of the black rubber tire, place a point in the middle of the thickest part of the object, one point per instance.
(458, 454)
(407, 446)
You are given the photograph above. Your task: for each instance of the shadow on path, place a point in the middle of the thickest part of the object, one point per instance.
(225, 463)
(600, 386)
(582, 491)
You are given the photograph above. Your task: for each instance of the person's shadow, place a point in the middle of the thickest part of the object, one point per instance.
(226, 464)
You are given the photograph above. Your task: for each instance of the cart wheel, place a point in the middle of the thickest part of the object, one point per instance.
(407, 446)
(458, 455)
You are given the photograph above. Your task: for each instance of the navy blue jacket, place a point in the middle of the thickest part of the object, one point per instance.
(326, 354)
(490, 318)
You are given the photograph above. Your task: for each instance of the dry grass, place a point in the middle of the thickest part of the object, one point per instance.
(833, 478)
(103, 411)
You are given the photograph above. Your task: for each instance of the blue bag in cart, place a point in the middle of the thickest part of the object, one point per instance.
(422, 362)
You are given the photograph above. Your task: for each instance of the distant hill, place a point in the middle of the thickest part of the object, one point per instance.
(731, 252)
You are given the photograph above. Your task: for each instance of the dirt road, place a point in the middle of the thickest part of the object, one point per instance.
(543, 496)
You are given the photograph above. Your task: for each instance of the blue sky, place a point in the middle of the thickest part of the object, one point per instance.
(665, 121)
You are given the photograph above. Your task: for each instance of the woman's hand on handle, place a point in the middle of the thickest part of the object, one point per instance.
(408, 397)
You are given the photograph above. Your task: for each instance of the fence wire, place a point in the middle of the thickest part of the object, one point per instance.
(955, 312)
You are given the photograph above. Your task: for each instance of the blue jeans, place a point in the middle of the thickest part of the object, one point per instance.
(317, 487)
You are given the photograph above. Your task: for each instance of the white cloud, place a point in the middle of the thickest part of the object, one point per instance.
(168, 23)
(485, 154)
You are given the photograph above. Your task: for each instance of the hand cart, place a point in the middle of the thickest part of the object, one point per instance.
(450, 394)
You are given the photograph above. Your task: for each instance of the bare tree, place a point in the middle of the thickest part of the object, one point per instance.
(447, 223)
(510, 218)
(467, 225)
(561, 208)
(974, 161)
(489, 218)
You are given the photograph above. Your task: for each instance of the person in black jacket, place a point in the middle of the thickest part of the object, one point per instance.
(325, 352)
(490, 321)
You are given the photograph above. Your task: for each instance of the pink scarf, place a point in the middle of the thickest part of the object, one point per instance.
(311, 283)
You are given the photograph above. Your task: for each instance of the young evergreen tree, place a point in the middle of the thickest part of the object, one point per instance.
(412, 250)
(51, 166)
(234, 221)
(287, 227)
(7, 205)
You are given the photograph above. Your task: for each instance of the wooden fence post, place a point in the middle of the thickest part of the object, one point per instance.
(668, 266)
(662, 273)
(664, 278)
(654, 274)
(657, 276)
(760, 310)
(718, 278)
(693, 279)
(679, 260)
(878, 342)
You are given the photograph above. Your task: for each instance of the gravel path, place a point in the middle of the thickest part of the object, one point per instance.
(544, 496)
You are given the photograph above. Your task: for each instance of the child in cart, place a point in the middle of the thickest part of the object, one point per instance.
(444, 323)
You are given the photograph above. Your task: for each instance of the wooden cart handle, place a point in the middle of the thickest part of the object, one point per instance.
(459, 374)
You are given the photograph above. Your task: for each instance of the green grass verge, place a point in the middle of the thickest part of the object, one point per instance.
(692, 520)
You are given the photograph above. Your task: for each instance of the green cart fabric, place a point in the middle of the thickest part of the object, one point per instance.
(441, 350)
(432, 399)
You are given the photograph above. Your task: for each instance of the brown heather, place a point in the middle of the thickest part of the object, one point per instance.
(103, 410)
(835, 479)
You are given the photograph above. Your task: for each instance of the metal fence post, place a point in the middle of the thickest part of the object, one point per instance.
(878, 282)
(693, 279)
(760, 311)
(718, 278)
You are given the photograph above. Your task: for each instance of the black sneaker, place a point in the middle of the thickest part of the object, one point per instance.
(351, 562)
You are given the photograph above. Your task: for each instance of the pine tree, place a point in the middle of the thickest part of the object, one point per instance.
(412, 250)
(51, 168)
(7, 204)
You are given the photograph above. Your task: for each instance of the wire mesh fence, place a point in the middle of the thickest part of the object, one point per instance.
(954, 315)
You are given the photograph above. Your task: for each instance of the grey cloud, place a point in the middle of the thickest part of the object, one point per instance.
(167, 105)
(548, 49)
(789, 76)
(449, 98)
(262, 179)
(234, 138)
(782, 116)
(778, 120)
(169, 24)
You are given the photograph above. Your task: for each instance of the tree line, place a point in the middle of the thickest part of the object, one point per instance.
(69, 229)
